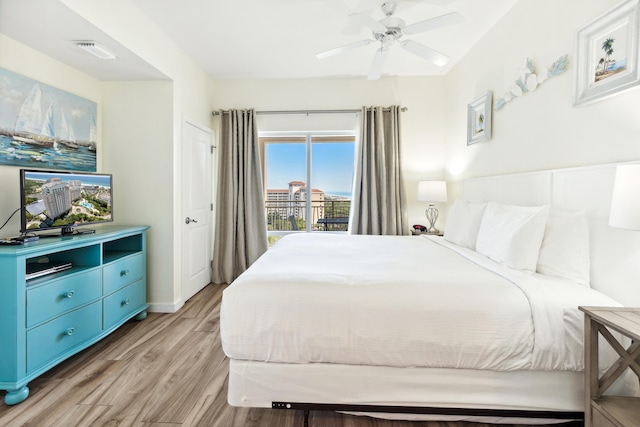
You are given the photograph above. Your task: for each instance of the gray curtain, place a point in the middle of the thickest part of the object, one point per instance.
(379, 200)
(241, 229)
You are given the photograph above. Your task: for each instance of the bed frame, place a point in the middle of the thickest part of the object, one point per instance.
(615, 265)
(428, 410)
(386, 392)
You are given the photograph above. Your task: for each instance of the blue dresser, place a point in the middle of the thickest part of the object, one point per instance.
(46, 319)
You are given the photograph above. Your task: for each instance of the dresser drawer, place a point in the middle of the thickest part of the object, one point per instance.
(53, 338)
(61, 295)
(122, 272)
(124, 303)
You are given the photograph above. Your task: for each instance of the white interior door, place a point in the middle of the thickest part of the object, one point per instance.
(197, 208)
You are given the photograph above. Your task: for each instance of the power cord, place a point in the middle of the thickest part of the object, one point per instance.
(8, 219)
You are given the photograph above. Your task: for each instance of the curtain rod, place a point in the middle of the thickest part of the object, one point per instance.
(307, 112)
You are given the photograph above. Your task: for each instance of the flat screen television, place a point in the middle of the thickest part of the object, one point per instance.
(53, 200)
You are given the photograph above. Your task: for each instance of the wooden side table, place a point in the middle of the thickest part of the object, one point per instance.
(603, 410)
(419, 233)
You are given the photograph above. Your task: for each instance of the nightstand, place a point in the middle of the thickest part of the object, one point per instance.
(419, 233)
(610, 410)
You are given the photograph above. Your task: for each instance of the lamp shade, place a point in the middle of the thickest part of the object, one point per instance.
(625, 202)
(432, 191)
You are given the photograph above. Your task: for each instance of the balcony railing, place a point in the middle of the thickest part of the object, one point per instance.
(327, 215)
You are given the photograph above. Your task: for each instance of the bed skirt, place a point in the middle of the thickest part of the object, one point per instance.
(259, 384)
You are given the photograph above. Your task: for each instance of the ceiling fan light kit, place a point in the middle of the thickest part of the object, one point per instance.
(390, 30)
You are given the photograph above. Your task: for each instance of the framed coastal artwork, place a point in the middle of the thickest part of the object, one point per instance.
(45, 127)
(607, 54)
(479, 119)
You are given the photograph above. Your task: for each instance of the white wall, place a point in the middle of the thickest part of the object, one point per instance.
(423, 125)
(141, 142)
(542, 129)
(140, 157)
(191, 97)
(23, 60)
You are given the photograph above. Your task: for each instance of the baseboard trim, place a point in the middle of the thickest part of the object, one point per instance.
(165, 308)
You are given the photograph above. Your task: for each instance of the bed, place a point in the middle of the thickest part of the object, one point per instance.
(425, 327)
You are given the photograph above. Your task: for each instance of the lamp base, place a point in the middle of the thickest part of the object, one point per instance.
(432, 216)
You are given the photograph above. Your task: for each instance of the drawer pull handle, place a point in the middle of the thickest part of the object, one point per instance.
(125, 301)
(69, 331)
(68, 294)
(124, 273)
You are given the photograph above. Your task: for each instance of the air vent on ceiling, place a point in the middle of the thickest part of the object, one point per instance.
(96, 50)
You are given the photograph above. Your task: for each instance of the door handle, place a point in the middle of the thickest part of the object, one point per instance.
(188, 220)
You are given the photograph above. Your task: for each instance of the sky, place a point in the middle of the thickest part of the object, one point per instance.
(103, 180)
(332, 165)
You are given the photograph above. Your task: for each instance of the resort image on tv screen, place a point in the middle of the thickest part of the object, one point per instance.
(52, 199)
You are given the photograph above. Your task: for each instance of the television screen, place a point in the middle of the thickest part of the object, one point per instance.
(64, 200)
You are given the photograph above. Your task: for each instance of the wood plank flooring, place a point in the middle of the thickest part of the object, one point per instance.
(168, 370)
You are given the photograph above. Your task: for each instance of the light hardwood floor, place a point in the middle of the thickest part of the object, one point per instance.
(165, 371)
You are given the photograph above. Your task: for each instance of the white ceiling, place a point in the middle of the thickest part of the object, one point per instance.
(255, 39)
(50, 27)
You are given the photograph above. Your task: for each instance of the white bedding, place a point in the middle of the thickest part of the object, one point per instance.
(401, 302)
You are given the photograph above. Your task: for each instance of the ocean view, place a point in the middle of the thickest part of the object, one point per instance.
(341, 194)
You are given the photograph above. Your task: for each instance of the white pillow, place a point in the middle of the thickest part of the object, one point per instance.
(463, 223)
(512, 235)
(565, 247)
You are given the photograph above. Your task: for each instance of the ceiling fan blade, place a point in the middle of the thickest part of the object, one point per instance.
(367, 21)
(339, 6)
(404, 7)
(377, 64)
(433, 23)
(351, 27)
(341, 49)
(438, 2)
(425, 52)
(343, 8)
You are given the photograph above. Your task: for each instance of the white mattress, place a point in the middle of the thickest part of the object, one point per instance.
(412, 301)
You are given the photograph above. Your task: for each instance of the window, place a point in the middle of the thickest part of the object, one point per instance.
(308, 180)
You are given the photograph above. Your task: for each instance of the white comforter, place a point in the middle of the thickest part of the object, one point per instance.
(401, 301)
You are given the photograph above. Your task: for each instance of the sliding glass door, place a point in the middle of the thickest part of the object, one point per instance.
(308, 181)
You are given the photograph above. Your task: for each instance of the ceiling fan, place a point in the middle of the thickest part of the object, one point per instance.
(390, 30)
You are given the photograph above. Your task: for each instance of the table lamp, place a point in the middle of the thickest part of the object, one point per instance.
(432, 192)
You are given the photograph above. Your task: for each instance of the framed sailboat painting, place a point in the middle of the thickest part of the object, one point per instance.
(45, 127)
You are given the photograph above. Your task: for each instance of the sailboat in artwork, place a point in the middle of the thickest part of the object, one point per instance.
(48, 130)
(93, 134)
(67, 137)
(31, 126)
